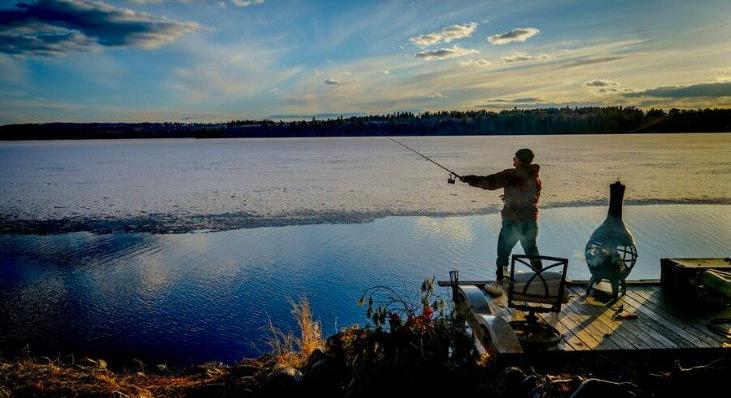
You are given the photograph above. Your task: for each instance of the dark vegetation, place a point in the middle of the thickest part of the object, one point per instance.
(410, 346)
(590, 120)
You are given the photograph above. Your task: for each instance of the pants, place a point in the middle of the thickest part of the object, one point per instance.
(512, 232)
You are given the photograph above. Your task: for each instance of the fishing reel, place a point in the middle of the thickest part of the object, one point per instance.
(451, 179)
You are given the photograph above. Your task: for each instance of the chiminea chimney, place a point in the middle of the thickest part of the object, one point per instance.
(616, 195)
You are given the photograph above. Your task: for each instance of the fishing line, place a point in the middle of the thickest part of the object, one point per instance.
(452, 175)
(427, 158)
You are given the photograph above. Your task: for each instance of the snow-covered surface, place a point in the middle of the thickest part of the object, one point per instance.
(185, 184)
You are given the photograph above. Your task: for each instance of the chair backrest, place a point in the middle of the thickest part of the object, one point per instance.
(535, 287)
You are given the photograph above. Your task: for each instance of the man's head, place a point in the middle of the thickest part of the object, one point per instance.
(523, 157)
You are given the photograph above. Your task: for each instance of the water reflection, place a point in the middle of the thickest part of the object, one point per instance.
(454, 228)
(197, 297)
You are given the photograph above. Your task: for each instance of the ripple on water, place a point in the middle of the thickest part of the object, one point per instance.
(204, 296)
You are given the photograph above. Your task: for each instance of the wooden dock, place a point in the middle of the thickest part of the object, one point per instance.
(647, 324)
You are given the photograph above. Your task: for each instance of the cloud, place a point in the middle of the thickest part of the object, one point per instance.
(518, 34)
(475, 62)
(435, 94)
(444, 53)
(515, 100)
(610, 90)
(716, 89)
(591, 61)
(321, 115)
(246, 3)
(445, 35)
(332, 81)
(603, 87)
(237, 3)
(520, 57)
(600, 83)
(55, 27)
(538, 104)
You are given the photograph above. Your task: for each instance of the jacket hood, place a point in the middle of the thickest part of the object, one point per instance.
(530, 169)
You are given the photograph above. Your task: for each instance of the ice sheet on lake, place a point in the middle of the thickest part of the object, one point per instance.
(186, 185)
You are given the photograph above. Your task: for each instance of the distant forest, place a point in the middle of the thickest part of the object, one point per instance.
(589, 120)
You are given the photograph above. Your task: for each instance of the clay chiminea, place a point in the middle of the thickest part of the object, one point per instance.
(611, 252)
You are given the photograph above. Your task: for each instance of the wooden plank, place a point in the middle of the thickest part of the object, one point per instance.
(479, 284)
(679, 337)
(627, 341)
(630, 331)
(580, 320)
(695, 324)
(647, 326)
(603, 315)
(642, 338)
(562, 345)
(590, 324)
(579, 339)
(637, 282)
(685, 325)
(653, 327)
(584, 326)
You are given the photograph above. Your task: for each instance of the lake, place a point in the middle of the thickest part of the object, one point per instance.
(103, 249)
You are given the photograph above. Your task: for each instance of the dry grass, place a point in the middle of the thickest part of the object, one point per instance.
(44, 377)
(39, 377)
(291, 350)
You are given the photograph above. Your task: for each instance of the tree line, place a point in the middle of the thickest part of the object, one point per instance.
(586, 120)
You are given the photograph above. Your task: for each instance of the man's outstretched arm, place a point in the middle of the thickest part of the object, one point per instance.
(491, 182)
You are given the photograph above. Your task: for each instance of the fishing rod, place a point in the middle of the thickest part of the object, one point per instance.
(450, 179)
(452, 175)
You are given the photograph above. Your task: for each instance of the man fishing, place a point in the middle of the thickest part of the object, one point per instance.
(522, 188)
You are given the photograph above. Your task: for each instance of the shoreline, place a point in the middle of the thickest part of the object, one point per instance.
(169, 223)
(362, 362)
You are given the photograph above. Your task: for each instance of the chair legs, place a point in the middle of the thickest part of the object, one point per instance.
(534, 333)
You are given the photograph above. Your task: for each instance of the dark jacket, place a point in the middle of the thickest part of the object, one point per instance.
(522, 190)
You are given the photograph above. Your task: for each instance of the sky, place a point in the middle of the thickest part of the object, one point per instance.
(208, 61)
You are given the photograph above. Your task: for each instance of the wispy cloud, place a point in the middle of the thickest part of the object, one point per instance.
(444, 53)
(246, 3)
(322, 115)
(475, 62)
(237, 3)
(603, 86)
(225, 73)
(537, 104)
(520, 57)
(55, 27)
(445, 35)
(716, 89)
(600, 83)
(518, 34)
(523, 100)
(435, 94)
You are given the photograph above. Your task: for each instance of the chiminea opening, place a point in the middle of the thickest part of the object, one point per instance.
(611, 252)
